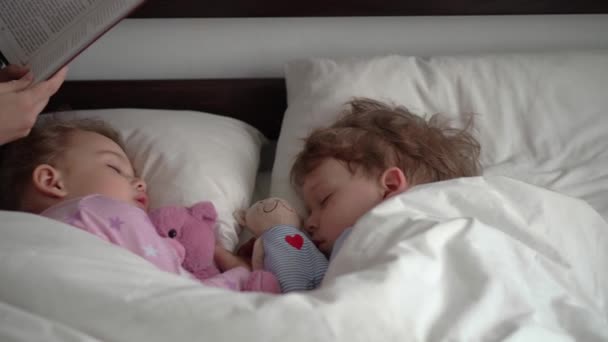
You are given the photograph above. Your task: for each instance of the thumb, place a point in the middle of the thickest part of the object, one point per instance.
(16, 85)
(13, 72)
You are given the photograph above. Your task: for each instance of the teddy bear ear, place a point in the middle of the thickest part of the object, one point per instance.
(239, 215)
(204, 211)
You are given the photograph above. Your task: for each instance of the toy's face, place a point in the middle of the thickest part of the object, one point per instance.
(269, 212)
(269, 205)
(182, 223)
(170, 223)
(194, 229)
(172, 232)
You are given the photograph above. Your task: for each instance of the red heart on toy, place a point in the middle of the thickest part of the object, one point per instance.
(295, 240)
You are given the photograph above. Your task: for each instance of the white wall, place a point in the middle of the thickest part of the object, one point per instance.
(259, 47)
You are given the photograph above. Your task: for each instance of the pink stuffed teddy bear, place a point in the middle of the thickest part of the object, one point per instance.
(194, 228)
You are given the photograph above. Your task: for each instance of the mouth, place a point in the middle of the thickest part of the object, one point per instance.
(318, 242)
(142, 201)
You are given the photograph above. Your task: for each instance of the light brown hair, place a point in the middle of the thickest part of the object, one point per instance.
(374, 136)
(45, 143)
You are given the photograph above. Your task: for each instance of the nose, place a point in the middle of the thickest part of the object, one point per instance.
(139, 184)
(311, 225)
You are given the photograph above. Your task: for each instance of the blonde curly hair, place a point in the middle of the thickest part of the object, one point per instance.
(374, 136)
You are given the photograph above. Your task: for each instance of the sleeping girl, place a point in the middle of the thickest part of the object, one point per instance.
(373, 152)
(78, 172)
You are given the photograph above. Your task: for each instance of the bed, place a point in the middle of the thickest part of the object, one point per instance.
(519, 254)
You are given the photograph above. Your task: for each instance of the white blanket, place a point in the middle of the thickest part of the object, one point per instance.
(479, 259)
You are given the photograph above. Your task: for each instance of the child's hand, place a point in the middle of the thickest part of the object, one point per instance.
(226, 260)
(246, 249)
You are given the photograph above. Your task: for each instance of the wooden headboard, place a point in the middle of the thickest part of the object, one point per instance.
(262, 102)
(259, 102)
(349, 8)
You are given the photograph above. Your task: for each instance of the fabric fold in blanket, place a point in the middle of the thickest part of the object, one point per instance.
(464, 260)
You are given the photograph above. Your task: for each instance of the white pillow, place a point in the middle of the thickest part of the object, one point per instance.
(187, 156)
(541, 118)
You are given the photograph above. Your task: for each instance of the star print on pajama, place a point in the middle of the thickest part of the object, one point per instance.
(115, 222)
(122, 224)
(150, 251)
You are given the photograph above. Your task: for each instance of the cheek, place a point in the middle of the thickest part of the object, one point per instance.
(111, 185)
(108, 182)
(339, 215)
(356, 204)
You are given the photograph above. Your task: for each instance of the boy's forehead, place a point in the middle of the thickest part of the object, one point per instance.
(311, 184)
(315, 177)
(329, 167)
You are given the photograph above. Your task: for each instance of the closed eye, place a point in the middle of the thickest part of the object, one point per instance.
(324, 201)
(115, 169)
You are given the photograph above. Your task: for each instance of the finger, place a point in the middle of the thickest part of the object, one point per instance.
(61, 74)
(246, 249)
(13, 72)
(16, 85)
(248, 244)
(55, 82)
(45, 89)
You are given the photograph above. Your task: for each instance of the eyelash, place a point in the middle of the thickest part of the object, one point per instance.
(115, 169)
(324, 201)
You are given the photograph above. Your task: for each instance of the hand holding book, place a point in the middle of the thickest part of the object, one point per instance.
(21, 100)
(45, 35)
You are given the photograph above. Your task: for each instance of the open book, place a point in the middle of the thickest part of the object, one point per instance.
(47, 34)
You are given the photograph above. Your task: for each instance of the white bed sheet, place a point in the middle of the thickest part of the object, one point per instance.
(471, 259)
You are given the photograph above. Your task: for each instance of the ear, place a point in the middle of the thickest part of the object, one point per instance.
(239, 216)
(48, 181)
(393, 181)
(204, 211)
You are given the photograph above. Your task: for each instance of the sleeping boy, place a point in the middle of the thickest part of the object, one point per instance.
(77, 172)
(371, 153)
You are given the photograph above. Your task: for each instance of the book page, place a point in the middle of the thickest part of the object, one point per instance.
(47, 34)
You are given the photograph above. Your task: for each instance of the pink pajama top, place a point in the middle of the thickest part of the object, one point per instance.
(122, 224)
(128, 226)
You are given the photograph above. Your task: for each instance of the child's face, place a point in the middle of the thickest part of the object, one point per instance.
(336, 199)
(94, 164)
